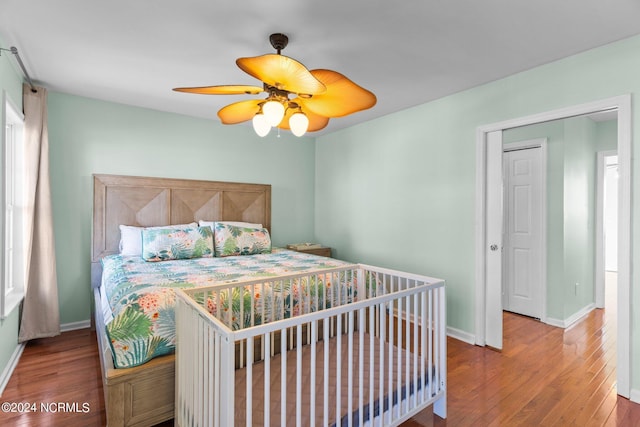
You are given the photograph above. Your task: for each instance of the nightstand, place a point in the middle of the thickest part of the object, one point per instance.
(322, 251)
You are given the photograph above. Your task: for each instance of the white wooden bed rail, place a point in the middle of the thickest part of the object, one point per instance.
(376, 357)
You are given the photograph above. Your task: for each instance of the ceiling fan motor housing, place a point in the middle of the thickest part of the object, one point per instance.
(279, 41)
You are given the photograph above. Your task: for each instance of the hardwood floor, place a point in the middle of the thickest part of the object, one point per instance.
(544, 377)
(64, 369)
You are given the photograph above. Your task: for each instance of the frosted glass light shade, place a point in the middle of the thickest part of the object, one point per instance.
(299, 123)
(261, 125)
(273, 112)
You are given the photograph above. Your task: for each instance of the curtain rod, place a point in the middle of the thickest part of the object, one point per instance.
(14, 50)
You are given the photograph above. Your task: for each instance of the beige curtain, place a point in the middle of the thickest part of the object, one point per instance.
(40, 313)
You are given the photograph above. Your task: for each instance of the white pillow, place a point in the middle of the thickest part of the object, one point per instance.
(131, 238)
(234, 223)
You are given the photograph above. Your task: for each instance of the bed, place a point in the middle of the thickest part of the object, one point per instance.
(144, 395)
(276, 290)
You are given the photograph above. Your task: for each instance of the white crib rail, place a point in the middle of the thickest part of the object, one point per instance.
(395, 322)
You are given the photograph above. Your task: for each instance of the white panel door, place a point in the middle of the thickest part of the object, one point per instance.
(522, 274)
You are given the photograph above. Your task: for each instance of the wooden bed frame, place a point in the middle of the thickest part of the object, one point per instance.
(144, 395)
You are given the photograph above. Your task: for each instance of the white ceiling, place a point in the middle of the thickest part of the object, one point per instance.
(407, 52)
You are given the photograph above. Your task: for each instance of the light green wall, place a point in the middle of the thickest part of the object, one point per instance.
(579, 214)
(89, 136)
(607, 135)
(11, 84)
(399, 191)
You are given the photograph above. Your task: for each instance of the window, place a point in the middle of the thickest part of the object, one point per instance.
(12, 261)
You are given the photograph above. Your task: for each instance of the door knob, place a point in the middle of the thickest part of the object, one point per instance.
(493, 247)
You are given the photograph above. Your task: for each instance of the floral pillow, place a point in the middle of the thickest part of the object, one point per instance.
(233, 240)
(162, 244)
(131, 238)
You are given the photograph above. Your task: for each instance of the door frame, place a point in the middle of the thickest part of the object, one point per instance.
(541, 144)
(484, 316)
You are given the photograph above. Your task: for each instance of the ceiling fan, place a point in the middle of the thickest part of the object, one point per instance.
(297, 99)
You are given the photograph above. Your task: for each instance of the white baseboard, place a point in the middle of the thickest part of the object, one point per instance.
(11, 366)
(461, 335)
(554, 322)
(83, 324)
(634, 396)
(451, 332)
(579, 315)
(571, 320)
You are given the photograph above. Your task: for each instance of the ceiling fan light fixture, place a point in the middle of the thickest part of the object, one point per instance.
(299, 123)
(261, 125)
(273, 111)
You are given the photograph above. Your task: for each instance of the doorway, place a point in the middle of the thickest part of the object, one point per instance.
(606, 223)
(524, 284)
(611, 214)
(489, 226)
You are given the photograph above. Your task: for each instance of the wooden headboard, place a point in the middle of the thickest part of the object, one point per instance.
(145, 202)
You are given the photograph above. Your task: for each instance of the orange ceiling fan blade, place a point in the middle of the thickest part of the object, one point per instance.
(222, 90)
(239, 112)
(281, 72)
(316, 122)
(343, 97)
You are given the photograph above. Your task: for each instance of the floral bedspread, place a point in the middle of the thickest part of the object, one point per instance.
(139, 300)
